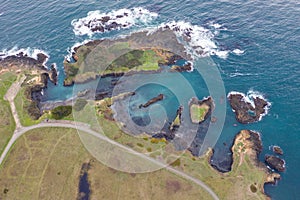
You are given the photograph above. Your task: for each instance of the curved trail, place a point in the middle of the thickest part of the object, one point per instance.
(20, 130)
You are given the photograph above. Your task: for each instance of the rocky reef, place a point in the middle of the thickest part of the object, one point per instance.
(245, 111)
(152, 101)
(275, 163)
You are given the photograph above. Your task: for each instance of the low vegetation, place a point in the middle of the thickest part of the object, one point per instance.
(61, 112)
(198, 112)
(23, 105)
(7, 123)
(46, 164)
(101, 63)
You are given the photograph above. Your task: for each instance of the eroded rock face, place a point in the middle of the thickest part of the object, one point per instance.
(275, 163)
(42, 58)
(245, 112)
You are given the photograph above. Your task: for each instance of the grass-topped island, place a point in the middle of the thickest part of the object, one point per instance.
(199, 110)
(133, 54)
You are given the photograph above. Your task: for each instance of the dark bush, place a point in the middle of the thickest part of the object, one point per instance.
(33, 110)
(61, 112)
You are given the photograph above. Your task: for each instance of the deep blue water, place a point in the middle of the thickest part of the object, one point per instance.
(267, 31)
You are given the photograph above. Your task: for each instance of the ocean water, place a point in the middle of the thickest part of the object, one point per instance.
(257, 47)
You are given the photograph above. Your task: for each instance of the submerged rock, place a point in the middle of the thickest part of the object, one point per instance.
(275, 163)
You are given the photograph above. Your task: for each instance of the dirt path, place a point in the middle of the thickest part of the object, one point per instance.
(10, 96)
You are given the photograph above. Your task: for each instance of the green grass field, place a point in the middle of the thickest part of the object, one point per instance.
(134, 60)
(46, 163)
(7, 123)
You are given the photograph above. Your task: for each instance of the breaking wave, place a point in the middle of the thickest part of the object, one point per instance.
(29, 52)
(96, 22)
(249, 98)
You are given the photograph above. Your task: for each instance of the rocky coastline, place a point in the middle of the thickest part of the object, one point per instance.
(37, 71)
(249, 143)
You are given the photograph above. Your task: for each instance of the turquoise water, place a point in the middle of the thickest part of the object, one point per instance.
(268, 33)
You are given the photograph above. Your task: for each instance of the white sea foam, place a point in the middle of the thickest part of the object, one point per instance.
(30, 52)
(216, 25)
(71, 50)
(234, 74)
(255, 94)
(249, 98)
(125, 18)
(238, 51)
(199, 41)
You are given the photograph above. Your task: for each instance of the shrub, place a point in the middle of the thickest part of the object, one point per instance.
(140, 145)
(33, 110)
(253, 188)
(149, 149)
(176, 163)
(61, 112)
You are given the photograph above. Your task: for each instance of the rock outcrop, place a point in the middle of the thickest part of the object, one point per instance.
(275, 163)
(177, 121)
(277, 150)
(245, 112)
(152, 101)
